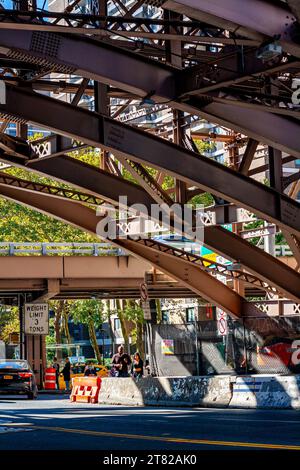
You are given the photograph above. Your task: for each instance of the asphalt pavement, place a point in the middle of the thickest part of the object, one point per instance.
(53, 422)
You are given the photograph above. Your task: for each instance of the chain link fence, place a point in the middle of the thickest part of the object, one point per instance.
(257, 345)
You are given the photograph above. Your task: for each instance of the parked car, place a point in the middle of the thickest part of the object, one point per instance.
(17, 377)
(78, 371)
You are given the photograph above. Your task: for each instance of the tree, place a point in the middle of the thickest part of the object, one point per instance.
(21, 224)
(9, 322)
(131, 317)
(124, 327)
(89, 312)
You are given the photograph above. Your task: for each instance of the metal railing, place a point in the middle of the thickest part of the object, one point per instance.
(63, 249)
(81, 248)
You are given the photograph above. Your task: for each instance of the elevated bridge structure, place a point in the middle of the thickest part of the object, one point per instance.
(232, 64)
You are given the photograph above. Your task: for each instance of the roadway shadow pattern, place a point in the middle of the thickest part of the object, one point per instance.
(57, 424)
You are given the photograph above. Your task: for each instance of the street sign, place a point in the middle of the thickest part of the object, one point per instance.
(36, 319)
(144, 291)
(222, 322)
(146, 309)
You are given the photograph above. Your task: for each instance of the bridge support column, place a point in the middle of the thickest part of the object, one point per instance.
(36, 355)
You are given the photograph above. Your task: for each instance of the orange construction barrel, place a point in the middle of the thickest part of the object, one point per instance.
(50, 378)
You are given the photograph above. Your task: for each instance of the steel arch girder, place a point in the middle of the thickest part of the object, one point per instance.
(133, 73)
(85, 218)
(89, 178)
(255, 19)
(91, 59)
(220, 240)
(256, 260)
(98, 130)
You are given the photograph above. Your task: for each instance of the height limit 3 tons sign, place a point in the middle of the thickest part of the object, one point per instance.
(36, 319)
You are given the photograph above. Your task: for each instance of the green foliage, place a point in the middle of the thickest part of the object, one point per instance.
(21, 224)
(205, 146)
(88, 155)
(9, 322)
(133, 312)
(87, 311)
(204, 199)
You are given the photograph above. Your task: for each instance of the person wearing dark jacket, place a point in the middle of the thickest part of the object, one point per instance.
(66, 372)
(137, 367)
(120, 363)
(55, 366)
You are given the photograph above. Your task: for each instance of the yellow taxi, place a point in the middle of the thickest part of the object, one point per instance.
(78, 371)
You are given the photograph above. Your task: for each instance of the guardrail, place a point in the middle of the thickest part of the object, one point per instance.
(87, 249)
(63, 249)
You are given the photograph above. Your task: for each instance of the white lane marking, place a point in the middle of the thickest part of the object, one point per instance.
(7, 429)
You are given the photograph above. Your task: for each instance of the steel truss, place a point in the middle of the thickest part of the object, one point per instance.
(111, 65)
(188, 274)
(65, 193)
(98, 130)
(26, 41)
(210, 266)
(76, 196)
(106, 186)
(257, 19)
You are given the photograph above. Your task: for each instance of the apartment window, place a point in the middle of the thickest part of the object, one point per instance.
(117, 324)
(190, 315)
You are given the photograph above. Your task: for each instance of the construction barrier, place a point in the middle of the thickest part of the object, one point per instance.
(50, 378)
(266, 391)
(251, 391)
(85, 389)
(167, 391)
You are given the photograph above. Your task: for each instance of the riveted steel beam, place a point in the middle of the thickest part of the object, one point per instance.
(236, 68)
(142, 77)
(56, 191)
(68, 194)
(195, 169)
(226, 243)
(255, 19)
(257, 261)
(91, 59)
(85, 218)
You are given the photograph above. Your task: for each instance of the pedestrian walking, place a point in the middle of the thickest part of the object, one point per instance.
(66, 372)
(55, 366)
(137, 367)
(120, 363)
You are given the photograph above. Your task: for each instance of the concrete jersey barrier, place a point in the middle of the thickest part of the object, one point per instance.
(253, 391)
(167, 391)
(273, 391)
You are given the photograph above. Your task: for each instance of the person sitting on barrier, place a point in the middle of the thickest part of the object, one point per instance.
(137, 367)
(66, 372)
(120, 363)
(90, 370)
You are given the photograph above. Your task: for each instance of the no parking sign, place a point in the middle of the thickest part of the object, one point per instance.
(222, 322)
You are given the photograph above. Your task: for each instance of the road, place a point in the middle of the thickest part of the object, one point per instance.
(52, 422)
